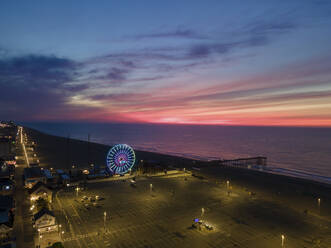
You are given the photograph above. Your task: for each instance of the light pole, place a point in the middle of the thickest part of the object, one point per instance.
(77, 189)
(39, 237)
(202, 212)
(319, 205)
(283, 240)
(104, 219)
(60, 231)
(227, 185)
(151, 188)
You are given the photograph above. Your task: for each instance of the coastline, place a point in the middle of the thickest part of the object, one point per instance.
(61, 153)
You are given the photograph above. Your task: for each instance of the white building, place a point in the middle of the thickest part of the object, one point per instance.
(45, 221)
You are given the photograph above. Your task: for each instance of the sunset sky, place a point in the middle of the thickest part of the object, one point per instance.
(190, 62)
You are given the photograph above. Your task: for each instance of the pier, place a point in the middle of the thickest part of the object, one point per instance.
(259, 161)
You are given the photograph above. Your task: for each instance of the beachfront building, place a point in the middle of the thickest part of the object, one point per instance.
(45, 221)
(6, 186)
(7, 208)
(40, 190)
(6, 226)
(33, 175)
(63, 177)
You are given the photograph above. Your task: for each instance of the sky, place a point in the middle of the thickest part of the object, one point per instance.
(255, 62)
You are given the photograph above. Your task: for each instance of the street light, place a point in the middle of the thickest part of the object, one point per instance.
(202, 212)
(227, 184)
(77, 189)
(39, 236)
(104, 219)
(151, 188)
(283, 239)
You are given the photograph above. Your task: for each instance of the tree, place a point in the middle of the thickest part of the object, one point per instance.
(41, 203)
(57, 245)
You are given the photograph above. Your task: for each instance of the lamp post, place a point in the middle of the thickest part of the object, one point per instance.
(77, 189)
(319, 205)
(60, 226)
(283, 239)
(202, 212)
(151, 188)
(104, 220)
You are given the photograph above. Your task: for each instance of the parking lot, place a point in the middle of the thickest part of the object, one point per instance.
(162, 215)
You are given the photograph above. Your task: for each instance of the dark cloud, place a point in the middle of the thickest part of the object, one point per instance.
(259, 33)
(37, 71)
(37, 85)
(178, 33)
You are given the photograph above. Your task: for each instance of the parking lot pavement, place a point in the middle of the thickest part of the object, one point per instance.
(163, 217)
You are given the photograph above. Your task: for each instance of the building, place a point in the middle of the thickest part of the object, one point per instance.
(64, 178)
(7, 171)
(51, 180)
(33, 175)
(6, 226)
(7, 208)
(45, 221)
(40, 190)
(7, 186)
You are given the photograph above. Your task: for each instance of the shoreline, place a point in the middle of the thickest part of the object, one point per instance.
(61, 153)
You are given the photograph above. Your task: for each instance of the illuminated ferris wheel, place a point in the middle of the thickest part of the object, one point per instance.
(120, 159)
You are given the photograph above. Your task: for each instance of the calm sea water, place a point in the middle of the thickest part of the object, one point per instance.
(294, 151)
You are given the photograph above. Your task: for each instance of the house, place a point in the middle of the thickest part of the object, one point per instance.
(6, 217)
(45, 221)
(51, 180)
(40, 190)
(33, 175)
(6, 186)
(6, 225)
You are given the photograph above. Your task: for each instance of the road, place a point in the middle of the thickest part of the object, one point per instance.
(23, 229)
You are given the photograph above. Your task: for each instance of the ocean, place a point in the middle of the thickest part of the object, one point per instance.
(302, 152)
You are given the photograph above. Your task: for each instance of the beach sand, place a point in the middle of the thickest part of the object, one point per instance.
(62, 153)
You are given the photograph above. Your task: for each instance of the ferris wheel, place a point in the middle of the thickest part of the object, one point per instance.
(120, 159)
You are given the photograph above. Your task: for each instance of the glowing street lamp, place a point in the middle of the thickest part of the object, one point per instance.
(227, 185)
(77, 189)
(283, 240)
(104, 219)
(202, 212)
